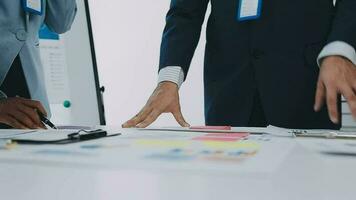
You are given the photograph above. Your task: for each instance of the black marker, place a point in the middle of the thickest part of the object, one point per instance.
(46, 121)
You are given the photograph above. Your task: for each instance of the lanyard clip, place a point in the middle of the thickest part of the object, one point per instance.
(87, 135)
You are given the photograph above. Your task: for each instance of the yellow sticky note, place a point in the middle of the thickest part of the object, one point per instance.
(163, 143)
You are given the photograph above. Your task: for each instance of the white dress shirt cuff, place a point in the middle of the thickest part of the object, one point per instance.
(338, 48)
(173, 74)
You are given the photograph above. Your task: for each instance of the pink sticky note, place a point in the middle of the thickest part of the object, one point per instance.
(211, 127)
(220, 139)
(230, 135)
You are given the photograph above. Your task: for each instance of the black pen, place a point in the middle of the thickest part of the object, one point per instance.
(46, 121)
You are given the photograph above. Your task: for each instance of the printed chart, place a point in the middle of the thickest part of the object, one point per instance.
(198, 152)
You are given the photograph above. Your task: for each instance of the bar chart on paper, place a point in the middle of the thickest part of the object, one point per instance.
(70, 72)
(187, 151)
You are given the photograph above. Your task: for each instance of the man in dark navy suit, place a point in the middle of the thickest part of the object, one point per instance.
(285, 65)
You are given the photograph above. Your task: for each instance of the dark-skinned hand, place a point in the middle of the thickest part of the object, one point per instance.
(21, 113)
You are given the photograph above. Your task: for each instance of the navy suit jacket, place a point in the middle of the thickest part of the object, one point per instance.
(274, 55)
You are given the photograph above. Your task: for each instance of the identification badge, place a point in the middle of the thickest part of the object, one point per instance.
(33, 6)
(249, 10)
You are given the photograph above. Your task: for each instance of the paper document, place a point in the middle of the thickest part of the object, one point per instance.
(189, 130)
(9, 133)
(277, 131)
(272, 130)
(76, 127)
(330, 148)
(45, 135)
(54, 59)
(238, 152)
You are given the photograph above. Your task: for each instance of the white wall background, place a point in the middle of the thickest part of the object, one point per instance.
(127, 36)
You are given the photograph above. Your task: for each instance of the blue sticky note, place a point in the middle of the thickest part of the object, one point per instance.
(47, 34)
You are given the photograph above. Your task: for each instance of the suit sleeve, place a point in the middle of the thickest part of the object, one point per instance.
(344, 25)
(182, 32)
(60, 15)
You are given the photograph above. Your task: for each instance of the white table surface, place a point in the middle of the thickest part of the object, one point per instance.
(305, 174)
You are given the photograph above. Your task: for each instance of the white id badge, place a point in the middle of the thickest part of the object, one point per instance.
(33, 6)
(249, 10)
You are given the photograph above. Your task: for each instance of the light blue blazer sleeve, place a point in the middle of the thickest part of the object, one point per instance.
(60, 15)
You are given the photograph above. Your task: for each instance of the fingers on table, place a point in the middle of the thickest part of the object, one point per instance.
(180, 119)
(141, 116)
(149, 119)
(350, 96)
(320, 96)
(150, 114)
(332, 102)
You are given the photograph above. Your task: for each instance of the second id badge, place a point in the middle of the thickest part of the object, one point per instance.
(33, 6)
(249, 10)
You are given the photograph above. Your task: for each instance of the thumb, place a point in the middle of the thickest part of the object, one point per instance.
(180, 119)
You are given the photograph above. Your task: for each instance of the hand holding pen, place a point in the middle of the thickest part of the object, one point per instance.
(46, 121)
(20, 113)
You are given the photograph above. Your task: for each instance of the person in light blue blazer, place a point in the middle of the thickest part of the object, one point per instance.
(22, 85)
